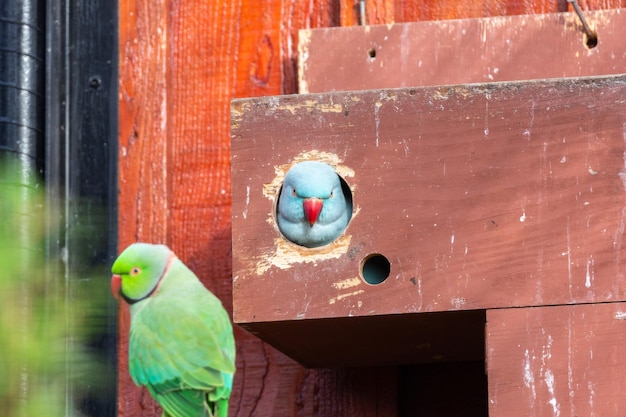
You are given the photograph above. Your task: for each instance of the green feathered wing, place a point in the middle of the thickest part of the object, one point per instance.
(182, 347)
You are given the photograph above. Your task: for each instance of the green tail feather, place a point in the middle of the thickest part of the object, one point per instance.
(191, 403)
(221, 408)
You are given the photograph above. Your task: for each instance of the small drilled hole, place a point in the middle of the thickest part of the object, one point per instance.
(375, 268)
(372, 53)
(591, 40)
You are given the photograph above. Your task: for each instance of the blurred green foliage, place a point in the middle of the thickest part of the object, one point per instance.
(39, 330)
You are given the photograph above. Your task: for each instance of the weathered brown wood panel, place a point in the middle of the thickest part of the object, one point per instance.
(501, 195)
(462, 51)
(231, 49)
(563, 360)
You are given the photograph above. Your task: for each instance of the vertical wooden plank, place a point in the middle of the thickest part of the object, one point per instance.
(551, 361)
(142, 122)
(380, 12)
(300, 14)
(198, 152)
(256, 41)
(356, 392)
(142, 172)
(267, 382)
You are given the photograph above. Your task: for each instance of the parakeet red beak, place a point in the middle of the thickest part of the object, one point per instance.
(312, 209)
(116, 285)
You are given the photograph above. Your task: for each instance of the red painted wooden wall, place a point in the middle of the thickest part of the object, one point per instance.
(181, 62)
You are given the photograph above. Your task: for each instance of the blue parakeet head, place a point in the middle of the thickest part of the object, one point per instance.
(313, 209)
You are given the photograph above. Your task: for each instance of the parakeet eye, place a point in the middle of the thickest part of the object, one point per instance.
(293, 192)
(332, 194)
(135, 271)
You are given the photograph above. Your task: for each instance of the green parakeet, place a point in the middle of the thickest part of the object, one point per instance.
(181, 343)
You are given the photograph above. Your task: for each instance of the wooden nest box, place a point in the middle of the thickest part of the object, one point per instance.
(477, 197)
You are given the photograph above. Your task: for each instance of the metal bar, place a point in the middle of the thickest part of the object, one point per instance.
(362, 13)
(592, 37)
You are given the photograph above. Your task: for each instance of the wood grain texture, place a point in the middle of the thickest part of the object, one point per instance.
(504, 194)
(407, 11)
(181, 61)
(564, 360)
(494, 49)
(410, 11)
(300, 14)
(143, 196)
